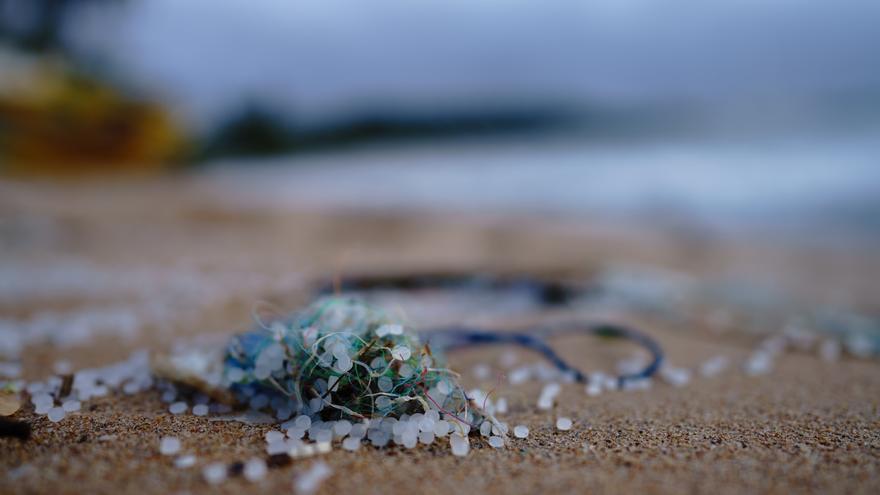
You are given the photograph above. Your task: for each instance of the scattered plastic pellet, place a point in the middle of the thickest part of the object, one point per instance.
(677, 377)
(521, 431)
(56, 414)
(713, 366)
(274, 436)
(342, 428)
(441, 428)
(829, 350)
(185, 461)
(309, 481)
(255, 469)
(214, 473)
(200, 410)
(71, 406)
(302, 422)
(548, 394)
(563, 424)
(426, 437)
(759, 363)
(351, 444)
(460, 445)
(482, 371)
(169, 446)
(496, 442)
(486, 428)
(274, 448)
(178, 408)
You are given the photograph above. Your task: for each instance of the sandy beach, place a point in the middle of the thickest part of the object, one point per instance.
(807, 426)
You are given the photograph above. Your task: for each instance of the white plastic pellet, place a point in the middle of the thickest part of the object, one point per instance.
(255, 469)
(426, 437)
(521, 431)
(200, 410)
(496, 442)
(385, 384)
(351, 444)
(459, 444)
(303, 422)
(214, 473)
(829, 350)
(56, 414)
(71, 406)
(309, 481)
(185, 461)
(441, 428)
(486, 428)
(169, 446)
(713, 366)
(178, 408)
(273, 436)
(563, 424)
(342, 428)
(677, 377)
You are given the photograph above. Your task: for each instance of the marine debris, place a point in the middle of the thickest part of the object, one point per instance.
(348, 357)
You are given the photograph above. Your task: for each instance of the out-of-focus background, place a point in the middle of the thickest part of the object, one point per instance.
(727, 114)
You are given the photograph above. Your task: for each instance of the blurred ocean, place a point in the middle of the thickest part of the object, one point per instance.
(814, 187)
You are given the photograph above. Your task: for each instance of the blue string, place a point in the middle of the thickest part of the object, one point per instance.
(534, 338)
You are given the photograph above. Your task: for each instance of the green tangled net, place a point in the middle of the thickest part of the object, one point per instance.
(341, 358)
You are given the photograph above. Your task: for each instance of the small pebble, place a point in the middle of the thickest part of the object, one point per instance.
(214, 473)
(563, 424)
(521, 431)
(169, 446)
(178, 408)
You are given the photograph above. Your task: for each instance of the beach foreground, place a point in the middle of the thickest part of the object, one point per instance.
(807, 425)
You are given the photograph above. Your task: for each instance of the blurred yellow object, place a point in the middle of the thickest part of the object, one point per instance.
(59, 123)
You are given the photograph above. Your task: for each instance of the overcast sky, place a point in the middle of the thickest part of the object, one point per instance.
(321, 57)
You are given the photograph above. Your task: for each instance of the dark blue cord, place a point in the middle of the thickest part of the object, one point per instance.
(533, 338)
